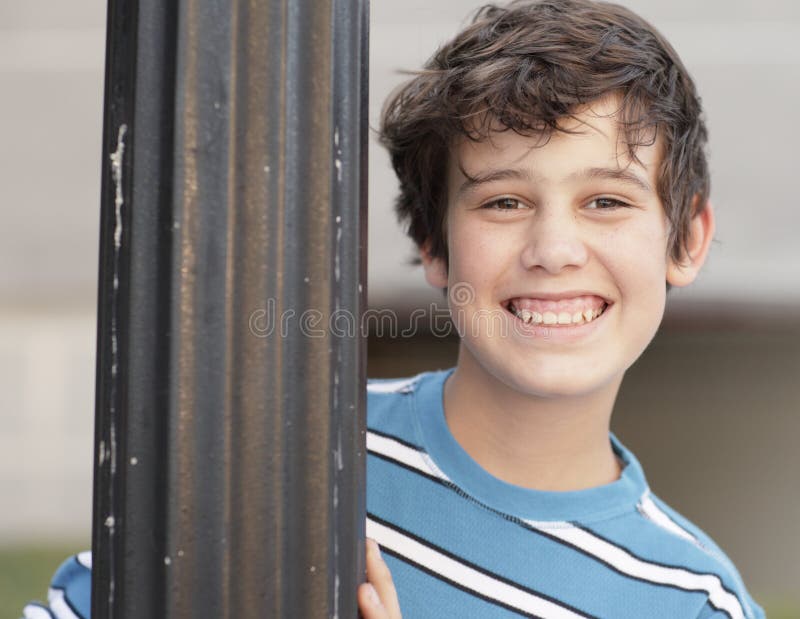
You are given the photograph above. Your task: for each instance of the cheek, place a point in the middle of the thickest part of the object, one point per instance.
(473, 251)
(639, 250)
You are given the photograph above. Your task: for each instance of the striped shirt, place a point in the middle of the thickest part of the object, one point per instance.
(463, 544)
(69, 596)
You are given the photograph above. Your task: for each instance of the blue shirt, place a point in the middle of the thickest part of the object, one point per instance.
(462, 543)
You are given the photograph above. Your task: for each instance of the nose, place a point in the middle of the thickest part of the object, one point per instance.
(554, 243)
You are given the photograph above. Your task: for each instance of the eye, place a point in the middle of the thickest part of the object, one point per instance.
(504, 204)
(604, 204)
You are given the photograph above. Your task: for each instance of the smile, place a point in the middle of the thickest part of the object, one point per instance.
(557, 312)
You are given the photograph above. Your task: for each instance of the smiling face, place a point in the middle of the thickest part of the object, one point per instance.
(558, 257)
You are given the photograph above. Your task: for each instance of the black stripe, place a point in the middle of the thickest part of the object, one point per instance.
(42, 606)
(399, 440)
(408, 467)
(460, 587)
(519, 522)
(476, 567)
(447, 484)
(67, 602)
(525, 525)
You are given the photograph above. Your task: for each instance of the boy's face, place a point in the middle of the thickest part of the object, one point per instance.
(562, 231)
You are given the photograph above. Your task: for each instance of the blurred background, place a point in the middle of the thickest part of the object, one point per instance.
(712, 409)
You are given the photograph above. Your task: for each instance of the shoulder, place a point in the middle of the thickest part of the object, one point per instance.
(385, 393)
(688, 555)
(390, 396)
(386, 389)
(664, 547)
(70, 592)
(665, 518)
(392, 404)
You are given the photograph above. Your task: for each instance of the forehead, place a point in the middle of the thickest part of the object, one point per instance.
(590, 139)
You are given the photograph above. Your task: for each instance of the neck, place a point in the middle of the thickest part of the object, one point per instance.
(555, 444)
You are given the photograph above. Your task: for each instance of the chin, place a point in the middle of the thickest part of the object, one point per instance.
(554, 387)
(554, 380)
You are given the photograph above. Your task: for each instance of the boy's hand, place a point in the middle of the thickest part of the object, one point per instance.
(377, 598)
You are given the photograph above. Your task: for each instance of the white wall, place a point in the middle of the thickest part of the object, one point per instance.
(46, 436)
(51, 71)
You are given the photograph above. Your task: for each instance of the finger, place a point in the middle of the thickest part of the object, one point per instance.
(381, 578)
(369, 604)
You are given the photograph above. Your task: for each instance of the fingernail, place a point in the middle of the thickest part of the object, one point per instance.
(373, 595)
(375, 548)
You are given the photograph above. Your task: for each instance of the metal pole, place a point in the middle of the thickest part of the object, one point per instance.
(229, 472)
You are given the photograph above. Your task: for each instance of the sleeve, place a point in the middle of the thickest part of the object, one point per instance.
(70, 593)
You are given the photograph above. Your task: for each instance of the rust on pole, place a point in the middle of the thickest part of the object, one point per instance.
(229, 471)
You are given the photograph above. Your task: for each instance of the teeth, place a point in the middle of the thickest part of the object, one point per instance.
(551, 318)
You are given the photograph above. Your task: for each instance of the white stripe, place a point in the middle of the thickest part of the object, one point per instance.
(652, 512)
(35, 612)
(59, 605)
(633, 566)
(85, 559)
(404, 454)
(466, 576)
(403, 385)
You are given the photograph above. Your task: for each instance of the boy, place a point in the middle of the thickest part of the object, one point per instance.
(552, 173)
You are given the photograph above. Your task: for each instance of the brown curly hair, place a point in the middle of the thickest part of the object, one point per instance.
(526, 66)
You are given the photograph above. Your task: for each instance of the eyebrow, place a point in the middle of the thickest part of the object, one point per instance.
(490, 176)
(614, 174)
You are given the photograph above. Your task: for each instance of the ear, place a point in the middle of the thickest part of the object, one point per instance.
(435, 268)
(701, 232)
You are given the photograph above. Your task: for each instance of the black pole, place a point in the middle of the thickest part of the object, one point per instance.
(229, 471)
